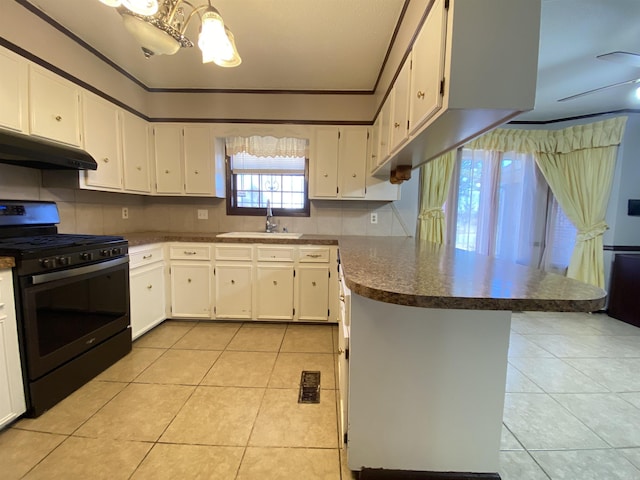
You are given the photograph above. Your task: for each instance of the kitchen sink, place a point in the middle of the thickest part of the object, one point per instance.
(285, 235)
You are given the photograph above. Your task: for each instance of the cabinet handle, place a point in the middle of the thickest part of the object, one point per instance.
(420, 94)
(313, 255)
(145, 257)
(275, 282)
(58, 118)
(313, 284)
(189, 253)
(105, 160)
(166, 171)
(325, 175)
(233, 282)
(342, 298)
(373, 155)
(340, 351)
(354, 175)
(396, 124)
(139, 168)
(149, 287)
(188, 280)
(196, 172)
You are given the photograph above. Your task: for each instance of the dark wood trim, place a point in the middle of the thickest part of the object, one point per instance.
(391, 43)
(260, 121)
(43, 16)
(621, 248)
(568, 119)
(58, 71)
(260, 92)
(381, 474)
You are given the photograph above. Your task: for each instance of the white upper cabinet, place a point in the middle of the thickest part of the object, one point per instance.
(399, 123)
(352, 163)
(198, 159)
(101, 122)
(13, 91)
(325, 162)
(135, 152)
(385, 130)
(54, 107)
(167, 140)
(428, 67)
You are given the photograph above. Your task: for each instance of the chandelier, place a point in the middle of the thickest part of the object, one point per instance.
(159, 27)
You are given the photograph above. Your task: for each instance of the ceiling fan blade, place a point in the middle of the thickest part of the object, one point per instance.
(626, 58)
(589, 92)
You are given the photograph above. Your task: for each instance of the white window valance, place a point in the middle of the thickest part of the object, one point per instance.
(268, 146)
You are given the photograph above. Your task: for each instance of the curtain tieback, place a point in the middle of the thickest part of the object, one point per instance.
(591, 233)
(431, 213)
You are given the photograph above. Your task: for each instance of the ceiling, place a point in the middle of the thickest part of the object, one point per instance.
(341, 45)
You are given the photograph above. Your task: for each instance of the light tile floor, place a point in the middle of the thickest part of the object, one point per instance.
(219, 401)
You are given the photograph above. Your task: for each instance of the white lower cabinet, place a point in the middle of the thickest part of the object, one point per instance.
(274, 292)
(312, 292)
(12, 402)
(147, 288)
(233, 287)
(191, 280)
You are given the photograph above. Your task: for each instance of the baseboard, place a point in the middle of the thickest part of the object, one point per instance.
(383, 474)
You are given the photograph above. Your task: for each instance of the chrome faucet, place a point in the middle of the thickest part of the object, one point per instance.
(271, 226)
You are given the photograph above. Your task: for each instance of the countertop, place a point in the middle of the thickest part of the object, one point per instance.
(403, 271)
(7, 262)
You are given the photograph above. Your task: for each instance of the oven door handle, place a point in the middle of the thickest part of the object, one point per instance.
(74, 272)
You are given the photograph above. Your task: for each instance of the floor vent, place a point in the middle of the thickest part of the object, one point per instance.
(309, 387)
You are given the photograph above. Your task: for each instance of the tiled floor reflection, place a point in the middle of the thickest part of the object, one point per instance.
(219, 401)
(572, 407)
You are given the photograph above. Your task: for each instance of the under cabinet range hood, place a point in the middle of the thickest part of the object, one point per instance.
(28, 151)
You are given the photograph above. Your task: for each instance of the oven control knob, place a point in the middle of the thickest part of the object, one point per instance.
(105, 253)
(47, 263)
(63, 261)
(86, 256)
(116, 251)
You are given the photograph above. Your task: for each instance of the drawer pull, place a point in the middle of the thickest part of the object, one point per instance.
(396, 124)
(105, 160)
(139, 168)
(233, 282)
(326, 175)
(166, 171)
(314, 255)
(196, 172)
(313, 284)
(186, 252)
(146, 257)
(58, 118)
(188, 280)
(149, 287)
(420, 94)
(275, 282)
(354, 175)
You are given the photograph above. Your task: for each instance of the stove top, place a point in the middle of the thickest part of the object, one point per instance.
(37, 243)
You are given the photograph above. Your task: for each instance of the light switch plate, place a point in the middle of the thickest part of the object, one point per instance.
(374, 218)
(203, 214)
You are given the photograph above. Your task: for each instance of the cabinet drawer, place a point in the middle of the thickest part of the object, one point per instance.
(313, 255)
(190, 251)
(139, 256)
(234, 252)
(275, 254)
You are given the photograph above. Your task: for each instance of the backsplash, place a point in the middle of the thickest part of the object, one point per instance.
(85, 211)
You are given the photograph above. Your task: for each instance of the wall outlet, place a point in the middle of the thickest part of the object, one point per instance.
(374, 218)
(203, 214)
(125, 213)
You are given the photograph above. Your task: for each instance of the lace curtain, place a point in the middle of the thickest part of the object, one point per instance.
(268, 146)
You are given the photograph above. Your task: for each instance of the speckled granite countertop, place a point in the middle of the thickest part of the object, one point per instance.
(400, 270)
(7, 262)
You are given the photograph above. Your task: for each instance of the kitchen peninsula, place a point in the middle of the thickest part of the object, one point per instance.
(427, 346)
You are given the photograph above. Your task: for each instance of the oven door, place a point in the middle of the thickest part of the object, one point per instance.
(68, 312)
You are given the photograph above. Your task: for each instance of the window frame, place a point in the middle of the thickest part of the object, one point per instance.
(231, 189)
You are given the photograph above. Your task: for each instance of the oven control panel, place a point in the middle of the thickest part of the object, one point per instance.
(75, 259)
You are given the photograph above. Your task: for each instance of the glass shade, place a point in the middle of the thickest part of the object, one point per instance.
(216, 41)
(153, 40)
(112, 3)
(141, 7)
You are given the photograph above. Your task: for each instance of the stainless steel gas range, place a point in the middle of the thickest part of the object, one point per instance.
(72, 301)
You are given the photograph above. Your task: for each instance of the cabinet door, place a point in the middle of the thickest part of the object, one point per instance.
(135, 152)
(13, 91)
(191, 290)
(385, 130)
(12, 403)
(54, 106)
(274, 292)
(167, 141)
(325, 163)
(198, 160)
(374, 144)
(102, 141)
(343, 380)
(312, 283)
(147, 298)
(400, 113)
(428, 67)
(233, 290)
(353, 160)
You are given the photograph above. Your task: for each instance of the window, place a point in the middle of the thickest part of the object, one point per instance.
(252, 180)
(505, 208)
